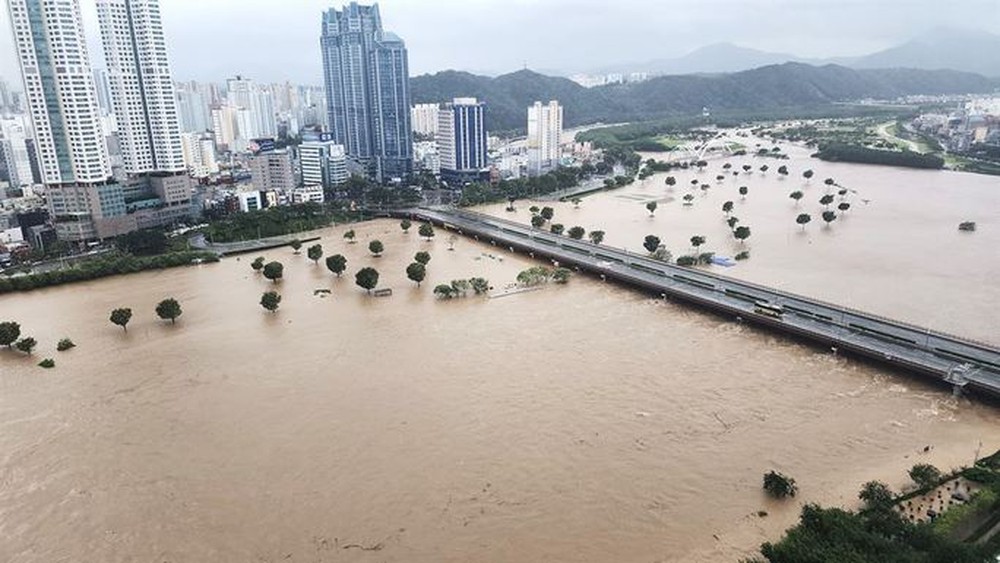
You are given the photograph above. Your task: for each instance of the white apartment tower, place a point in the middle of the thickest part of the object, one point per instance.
(424, 118)
(142, 89)
(59, 87)
(545, 123)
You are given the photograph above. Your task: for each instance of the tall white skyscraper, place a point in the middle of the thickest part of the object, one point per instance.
(70, 149)
(59, 88)
(545, 124)
(142, 89)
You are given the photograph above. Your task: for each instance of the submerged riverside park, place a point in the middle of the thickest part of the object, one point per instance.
(579, 422)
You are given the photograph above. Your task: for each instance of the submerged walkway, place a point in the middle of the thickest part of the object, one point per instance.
(957, 361)
(242, 247)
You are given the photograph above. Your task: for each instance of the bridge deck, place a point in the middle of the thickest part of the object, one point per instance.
(946, 357)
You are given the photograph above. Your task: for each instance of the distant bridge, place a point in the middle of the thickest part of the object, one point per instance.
(956, 361)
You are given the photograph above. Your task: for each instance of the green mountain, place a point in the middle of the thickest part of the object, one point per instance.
(766, 88)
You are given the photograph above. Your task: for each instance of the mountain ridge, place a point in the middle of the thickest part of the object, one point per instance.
(967, 50)
(769, 87)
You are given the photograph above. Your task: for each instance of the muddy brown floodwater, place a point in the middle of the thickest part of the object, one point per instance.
(577, 423)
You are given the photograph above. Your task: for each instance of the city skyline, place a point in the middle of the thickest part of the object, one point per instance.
(802, 27)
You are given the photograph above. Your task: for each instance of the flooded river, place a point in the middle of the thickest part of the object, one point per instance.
(897, 252)
(577, 423)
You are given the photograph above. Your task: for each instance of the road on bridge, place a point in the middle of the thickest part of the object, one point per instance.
(954, 360)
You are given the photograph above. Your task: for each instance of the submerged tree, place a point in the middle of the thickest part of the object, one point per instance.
(416, 272)
(9, 333)
(367, 279)
(337, 264)
(296, 245)
(169, 310)
(779, 486)
(727, 208)
(121, 317)
(315, 252)
(422, 258)
(350, 236)
(651, 243)
(405, 224)
(427, 231)
(742, 234)
(803, 219)
(596, 237)
(797, 196)
(26, 345)
(651, 207)
(479, 285)
(257, 264)
(376, 248)
(270, 301)
(274, 271)
(576, 233)
(744, 191)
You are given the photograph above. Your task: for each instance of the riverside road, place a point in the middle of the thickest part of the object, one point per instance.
(953, 360)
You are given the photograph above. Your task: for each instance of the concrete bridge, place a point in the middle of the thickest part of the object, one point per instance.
(956, 361)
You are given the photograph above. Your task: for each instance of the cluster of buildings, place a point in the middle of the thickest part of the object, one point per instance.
(594, 80)
(973, 122)
(89, 154)
(95, 187)
(457, 147)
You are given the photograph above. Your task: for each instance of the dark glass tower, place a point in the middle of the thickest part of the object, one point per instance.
(368, 90)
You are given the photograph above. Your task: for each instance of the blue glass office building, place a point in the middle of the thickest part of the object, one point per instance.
(368, 91)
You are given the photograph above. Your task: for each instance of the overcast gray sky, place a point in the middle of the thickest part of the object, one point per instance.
(277, 40)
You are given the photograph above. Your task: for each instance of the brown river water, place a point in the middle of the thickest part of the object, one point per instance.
(578, 423)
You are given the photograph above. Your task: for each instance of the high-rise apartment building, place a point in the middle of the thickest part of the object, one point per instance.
(193, 107)
(199, 154)
(224, 126)
(368, 95)
(545, 124)
(323, 163)
(59, 86)
(424, 118)
(273, 171)
(14, 157)
(461, 138)
(141, 85)
(62, 101)
(257, 107)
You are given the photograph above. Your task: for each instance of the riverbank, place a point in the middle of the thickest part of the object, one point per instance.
(102, 267)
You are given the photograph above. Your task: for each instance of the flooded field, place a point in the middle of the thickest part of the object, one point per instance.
(577, 423)
(897, 252)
